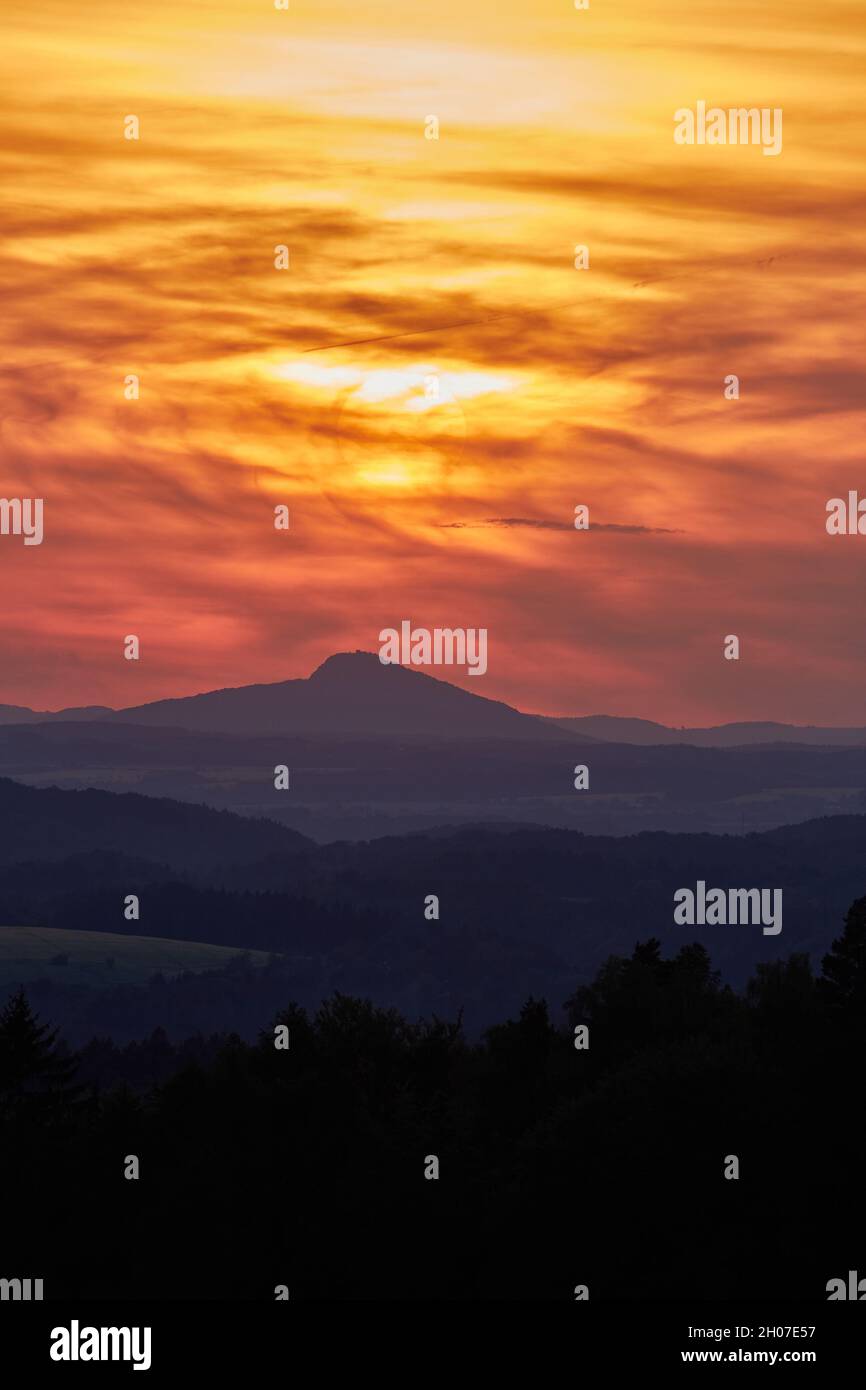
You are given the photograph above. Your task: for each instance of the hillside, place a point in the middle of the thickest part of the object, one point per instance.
(520, 910)
(102, 959)
(50, 824)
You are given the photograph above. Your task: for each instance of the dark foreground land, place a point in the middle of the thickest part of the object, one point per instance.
(559, 1166)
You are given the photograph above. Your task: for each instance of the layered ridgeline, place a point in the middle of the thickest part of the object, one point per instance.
(473, 918)
(611, 729)
(355, 786)
(375, 749)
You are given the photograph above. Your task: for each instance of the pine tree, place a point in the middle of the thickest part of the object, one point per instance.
(844, 967)
(35, 1073)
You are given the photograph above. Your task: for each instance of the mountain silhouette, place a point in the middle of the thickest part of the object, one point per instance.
(350, 693)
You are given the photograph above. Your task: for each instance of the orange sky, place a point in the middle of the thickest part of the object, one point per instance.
(557, 386)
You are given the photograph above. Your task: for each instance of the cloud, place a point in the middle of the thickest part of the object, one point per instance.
(542, 524)
(156, 258)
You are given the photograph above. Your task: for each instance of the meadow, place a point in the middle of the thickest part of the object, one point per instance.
(102, 958)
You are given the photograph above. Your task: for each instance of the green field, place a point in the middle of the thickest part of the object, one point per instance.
(102, 958)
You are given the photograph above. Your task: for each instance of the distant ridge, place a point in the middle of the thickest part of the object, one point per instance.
(612, 729)
(20, 714)
(49, 824)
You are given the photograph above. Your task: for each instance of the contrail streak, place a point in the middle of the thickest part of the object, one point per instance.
(420, 332)
(494, 318)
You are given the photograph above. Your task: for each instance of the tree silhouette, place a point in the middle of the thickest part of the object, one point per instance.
(843, 969)
(36, 1075)
(643, 1000)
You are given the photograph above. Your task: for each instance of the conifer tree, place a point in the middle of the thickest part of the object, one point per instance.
(844, 967)
(36, 1074)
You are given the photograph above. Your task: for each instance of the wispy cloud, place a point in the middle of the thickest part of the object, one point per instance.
(450, 261)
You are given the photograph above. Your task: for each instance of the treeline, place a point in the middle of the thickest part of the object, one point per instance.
(558, 1165)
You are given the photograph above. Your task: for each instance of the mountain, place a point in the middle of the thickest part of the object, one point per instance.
(610, 729)
(350, 693)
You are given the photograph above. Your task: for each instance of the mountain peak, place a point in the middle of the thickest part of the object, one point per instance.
(346, 665)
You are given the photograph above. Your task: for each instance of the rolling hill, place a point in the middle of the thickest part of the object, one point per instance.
(51, 824)
(102, 959)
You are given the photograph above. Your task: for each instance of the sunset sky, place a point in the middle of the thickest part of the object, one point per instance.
(453, 259)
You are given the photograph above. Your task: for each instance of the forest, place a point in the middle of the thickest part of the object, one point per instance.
(559, 1166)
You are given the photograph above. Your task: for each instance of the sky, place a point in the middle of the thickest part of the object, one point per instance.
(431, 387)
